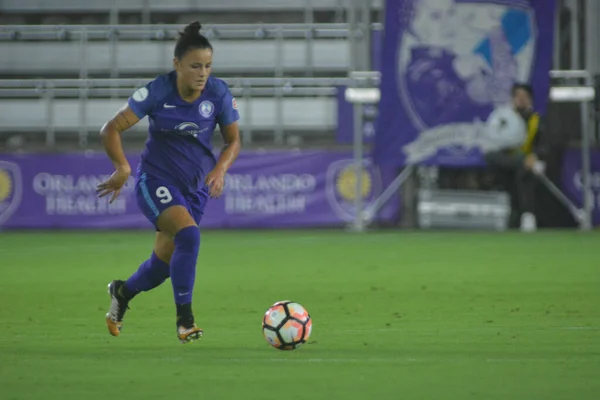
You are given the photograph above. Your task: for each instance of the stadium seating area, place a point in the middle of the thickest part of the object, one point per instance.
(52, 12)
(302, 52)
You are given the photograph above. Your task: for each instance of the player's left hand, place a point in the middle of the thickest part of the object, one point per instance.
(215, 181)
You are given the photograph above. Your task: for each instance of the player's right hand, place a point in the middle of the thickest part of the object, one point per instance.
(530, 161)
(114, 183)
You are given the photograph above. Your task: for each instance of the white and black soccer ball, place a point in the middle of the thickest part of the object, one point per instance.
(286, 325)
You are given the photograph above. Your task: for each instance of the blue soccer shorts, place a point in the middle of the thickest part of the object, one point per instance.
(155, 195)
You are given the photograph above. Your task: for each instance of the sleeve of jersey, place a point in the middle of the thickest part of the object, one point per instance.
(229, 110)
(142, 101)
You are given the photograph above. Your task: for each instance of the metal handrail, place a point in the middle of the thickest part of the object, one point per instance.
(52, 90)
(128, 82)
(117, 35)
(276, 87)
(123, 93)
(181, 6)
(167, 32)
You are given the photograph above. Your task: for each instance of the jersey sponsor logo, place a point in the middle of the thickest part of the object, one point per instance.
(206, 109)
(11, 189)
(169, 106)
(189, 128)
(141, 94)
(234, 104)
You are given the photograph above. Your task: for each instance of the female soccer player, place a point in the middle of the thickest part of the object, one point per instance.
(177, 172)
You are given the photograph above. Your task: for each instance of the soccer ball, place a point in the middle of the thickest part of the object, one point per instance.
(286, 325)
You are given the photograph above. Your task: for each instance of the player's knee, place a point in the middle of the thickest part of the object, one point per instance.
(163, 247)
(171, 220)
(188, 238)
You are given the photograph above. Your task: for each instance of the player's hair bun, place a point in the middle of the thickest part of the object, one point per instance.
(191, 38)
(192, 29)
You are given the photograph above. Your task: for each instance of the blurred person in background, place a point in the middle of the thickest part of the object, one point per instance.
(516, 158)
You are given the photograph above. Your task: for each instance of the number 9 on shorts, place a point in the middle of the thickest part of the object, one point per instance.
(163, 195)
(154, 196)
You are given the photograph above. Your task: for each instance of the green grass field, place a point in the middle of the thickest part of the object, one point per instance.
(396, 315)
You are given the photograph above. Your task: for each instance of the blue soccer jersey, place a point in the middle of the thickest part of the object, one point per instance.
(179, 145)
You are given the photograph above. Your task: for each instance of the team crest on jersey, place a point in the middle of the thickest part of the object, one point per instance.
(206, 109)
(11, 190)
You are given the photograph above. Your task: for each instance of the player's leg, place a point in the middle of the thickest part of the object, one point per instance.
(150, 274)
(177, 222)
(526, 185)
(154, 271)
(152, 196)
(167, 208)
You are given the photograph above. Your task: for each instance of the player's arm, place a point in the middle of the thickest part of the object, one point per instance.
(216, 178)
(232, 146)
(138, 105)
(110, 134)
(230, 131)
(228, 122)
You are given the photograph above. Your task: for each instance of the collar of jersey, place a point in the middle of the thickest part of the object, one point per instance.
(177, 100)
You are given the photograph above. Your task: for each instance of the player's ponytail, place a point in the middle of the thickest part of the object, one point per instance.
(190, 39)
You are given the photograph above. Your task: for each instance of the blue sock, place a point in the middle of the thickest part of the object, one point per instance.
(183, 263)
(149, 275)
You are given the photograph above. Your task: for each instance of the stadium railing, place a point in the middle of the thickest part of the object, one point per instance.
(78, 107)
(174, 5)
(131, 50)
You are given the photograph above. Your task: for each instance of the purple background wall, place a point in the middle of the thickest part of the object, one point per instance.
(263, 190)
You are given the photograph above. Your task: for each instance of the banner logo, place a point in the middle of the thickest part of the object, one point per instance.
(341, 183)
(11, 190)
(450, 64)
(464, 56)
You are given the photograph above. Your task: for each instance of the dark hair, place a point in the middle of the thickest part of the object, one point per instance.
(190, 39)
(522, 86)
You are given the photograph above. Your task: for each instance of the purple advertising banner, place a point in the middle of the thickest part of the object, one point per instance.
(572, 180)
(263, 190)
(447, 64)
